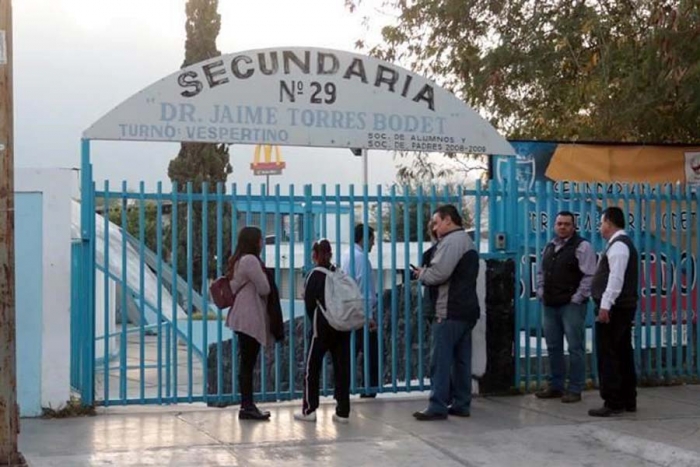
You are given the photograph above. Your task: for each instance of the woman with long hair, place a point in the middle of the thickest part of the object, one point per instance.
(324, 339)
(248, 316)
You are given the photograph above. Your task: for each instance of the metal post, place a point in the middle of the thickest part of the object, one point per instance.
(365, 168)
(9, 411)
(87, 227)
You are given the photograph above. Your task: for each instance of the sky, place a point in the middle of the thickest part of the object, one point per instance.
(74, 60)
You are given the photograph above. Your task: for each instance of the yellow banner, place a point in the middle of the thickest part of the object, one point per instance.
(627, 164)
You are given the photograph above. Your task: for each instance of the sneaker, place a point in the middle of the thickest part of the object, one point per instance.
(549, 393)
(570, 397)
(311, 417)
(338, 419)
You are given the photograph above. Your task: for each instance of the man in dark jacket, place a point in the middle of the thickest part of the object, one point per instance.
(564, 286)
(615, 290)
(453, 269)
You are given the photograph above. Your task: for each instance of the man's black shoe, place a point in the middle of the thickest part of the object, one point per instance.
(368, 396)
(253, 413)
(571, 397)
(425, 416)
(631, 407)
(604, 412)
(457, 413)
(549, 393)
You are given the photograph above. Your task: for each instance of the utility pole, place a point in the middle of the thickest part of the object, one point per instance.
(9, 411)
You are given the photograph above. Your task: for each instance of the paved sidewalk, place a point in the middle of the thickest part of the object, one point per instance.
(505, 431)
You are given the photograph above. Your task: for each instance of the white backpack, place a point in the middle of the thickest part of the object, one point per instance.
(344, 303)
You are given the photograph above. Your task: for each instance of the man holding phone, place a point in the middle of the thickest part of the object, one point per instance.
(451, 271)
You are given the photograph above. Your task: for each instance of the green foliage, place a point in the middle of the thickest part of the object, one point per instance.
(196, 235)
(454, 169)
(150, 230)
(609, 70)
(200, 162)
(133, 226)
(211, 316)
(203, 25)
(420, 200)
(74, 407)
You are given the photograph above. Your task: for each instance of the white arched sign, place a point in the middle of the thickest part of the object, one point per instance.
(301, 97)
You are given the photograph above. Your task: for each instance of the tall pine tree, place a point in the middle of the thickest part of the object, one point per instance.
(200, 162)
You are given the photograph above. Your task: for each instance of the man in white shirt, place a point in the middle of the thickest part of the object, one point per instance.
(615, 290)
(359, 266)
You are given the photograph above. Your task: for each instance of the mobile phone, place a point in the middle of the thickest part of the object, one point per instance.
(412, 266)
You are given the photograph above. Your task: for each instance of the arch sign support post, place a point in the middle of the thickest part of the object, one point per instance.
(287, 96)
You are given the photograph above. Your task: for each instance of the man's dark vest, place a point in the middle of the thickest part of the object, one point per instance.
(630, 289)
(562, 274)
(462, 301)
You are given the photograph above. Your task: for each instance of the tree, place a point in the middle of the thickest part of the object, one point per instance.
(133, 226)
(605, 70)
(449, 169)
(200, 162)
(420, 199)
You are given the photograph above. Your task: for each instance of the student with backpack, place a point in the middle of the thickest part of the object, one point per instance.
(325, 337)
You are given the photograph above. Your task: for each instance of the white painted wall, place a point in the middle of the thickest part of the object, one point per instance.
(56, 186)
(479, 331)
(100, 291)
(332, 232)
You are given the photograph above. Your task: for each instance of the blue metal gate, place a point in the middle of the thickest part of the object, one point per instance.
(144, 330)
(150, 256)
(664, 224)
